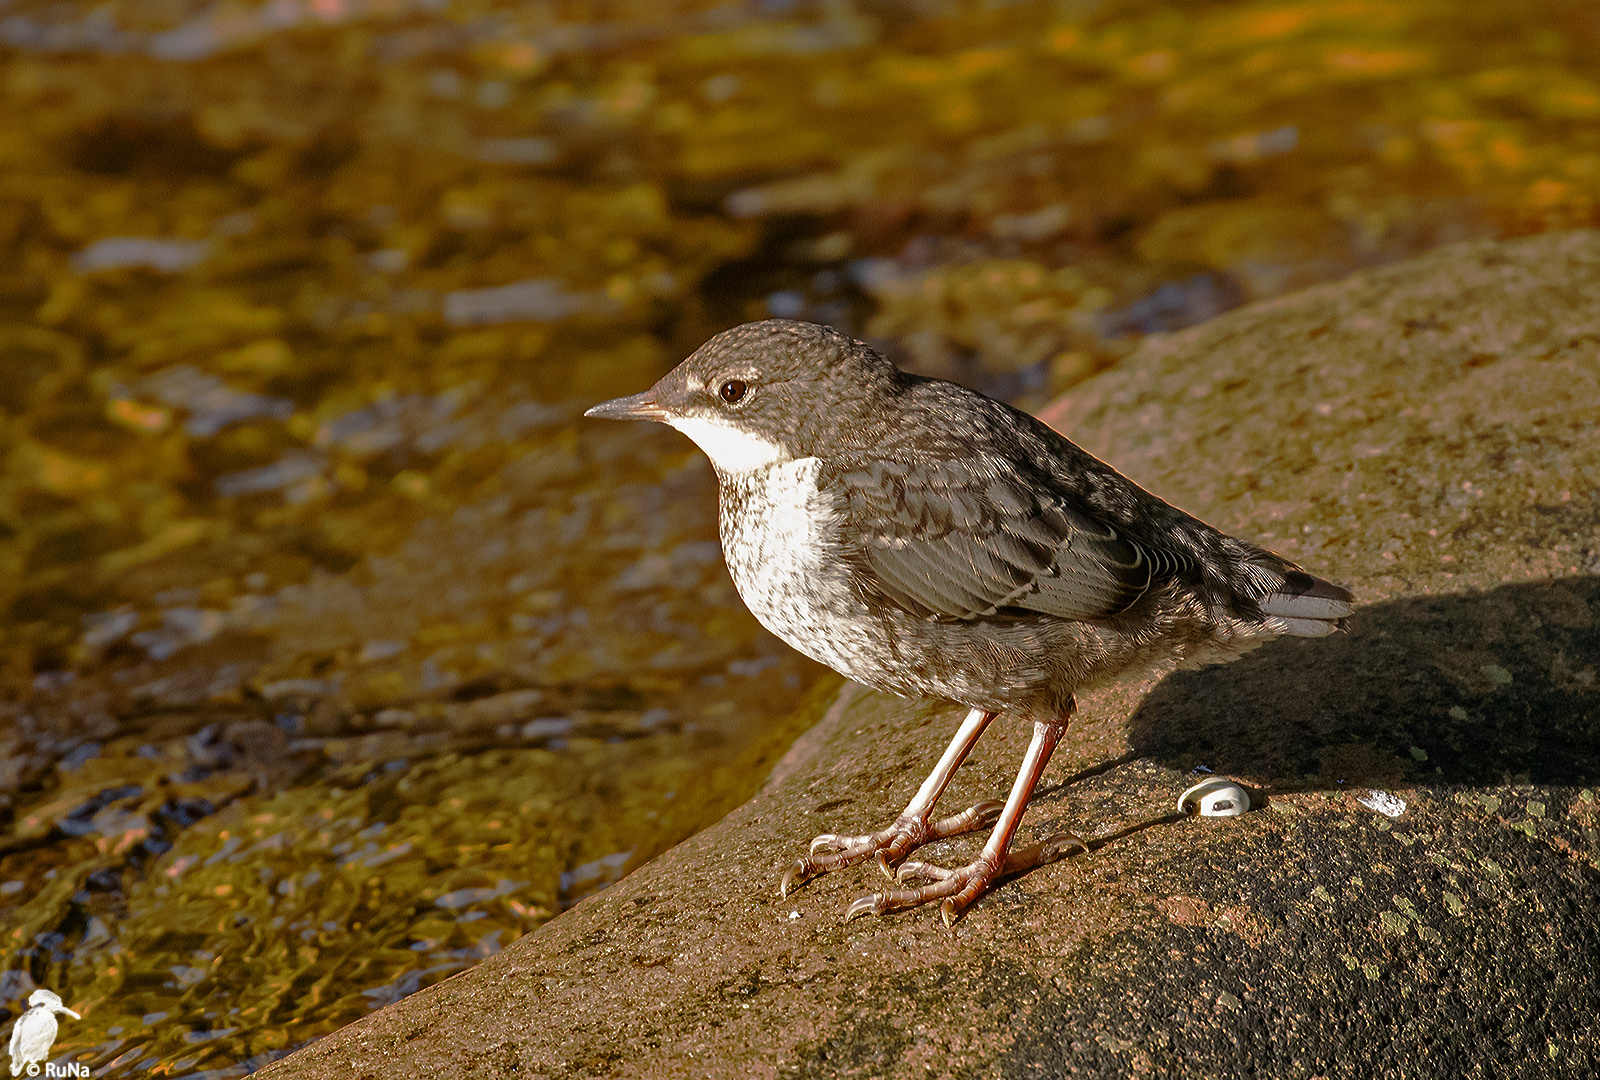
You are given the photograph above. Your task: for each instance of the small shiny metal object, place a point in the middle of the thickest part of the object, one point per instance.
(1215, 797)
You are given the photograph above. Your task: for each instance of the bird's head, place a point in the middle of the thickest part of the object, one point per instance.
(765, 393)
(52, 1001)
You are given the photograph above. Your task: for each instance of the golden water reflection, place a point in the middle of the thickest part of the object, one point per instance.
(338, 651)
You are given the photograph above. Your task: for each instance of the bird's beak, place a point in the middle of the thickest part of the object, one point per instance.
(68, 1012)
(640, 406)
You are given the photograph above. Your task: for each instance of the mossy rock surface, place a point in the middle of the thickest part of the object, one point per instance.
(1425, 433)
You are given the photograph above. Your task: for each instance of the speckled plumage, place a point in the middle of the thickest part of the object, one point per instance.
(924, 539)
(954, 547)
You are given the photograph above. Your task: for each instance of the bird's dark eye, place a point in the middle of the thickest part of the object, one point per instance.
(732, 391)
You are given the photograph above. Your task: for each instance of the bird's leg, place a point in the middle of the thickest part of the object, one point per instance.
(959, 888)
(912, 828)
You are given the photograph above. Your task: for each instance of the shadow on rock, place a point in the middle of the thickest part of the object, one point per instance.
(1483, 689)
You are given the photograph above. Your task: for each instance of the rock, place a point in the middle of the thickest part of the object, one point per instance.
(1418, 889)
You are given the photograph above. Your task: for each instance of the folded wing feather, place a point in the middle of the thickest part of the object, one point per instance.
(969, 538)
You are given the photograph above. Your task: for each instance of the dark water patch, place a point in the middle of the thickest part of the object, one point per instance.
(162, 148)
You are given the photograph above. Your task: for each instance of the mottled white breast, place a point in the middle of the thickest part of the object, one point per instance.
(780, 539)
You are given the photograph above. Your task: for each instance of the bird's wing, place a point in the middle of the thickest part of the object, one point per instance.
(965, 538)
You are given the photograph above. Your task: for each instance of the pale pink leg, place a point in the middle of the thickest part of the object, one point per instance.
(959, 888)
(912, 828)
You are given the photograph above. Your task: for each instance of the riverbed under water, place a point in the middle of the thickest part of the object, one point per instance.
(338, 650)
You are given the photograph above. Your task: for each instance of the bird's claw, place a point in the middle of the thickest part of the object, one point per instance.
(830, 842)
(959, 888)
(832, 851)
(1053, 847)
(866, 905)
(798, 870)
(912, 868)
(956, 888)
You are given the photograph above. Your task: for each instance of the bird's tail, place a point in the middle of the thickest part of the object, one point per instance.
(1293, 601)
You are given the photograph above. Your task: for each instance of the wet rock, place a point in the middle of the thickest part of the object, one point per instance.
(1423, 855)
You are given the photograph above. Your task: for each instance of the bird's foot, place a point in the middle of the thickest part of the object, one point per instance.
(833, 852)
(959, 888)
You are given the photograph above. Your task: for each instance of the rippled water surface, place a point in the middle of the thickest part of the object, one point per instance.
(338, 652)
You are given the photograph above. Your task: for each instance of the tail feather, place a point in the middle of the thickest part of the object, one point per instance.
(1306, 605)
(1290, 600)
(1303, 627)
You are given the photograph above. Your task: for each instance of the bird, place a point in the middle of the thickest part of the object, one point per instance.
(925, 540)
(35, 1031)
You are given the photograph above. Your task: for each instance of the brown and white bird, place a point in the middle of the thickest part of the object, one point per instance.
(923, 539)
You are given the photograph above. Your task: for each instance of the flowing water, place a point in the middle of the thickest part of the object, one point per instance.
(338, 651)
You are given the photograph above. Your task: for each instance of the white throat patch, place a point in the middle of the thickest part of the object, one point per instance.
(730, 449)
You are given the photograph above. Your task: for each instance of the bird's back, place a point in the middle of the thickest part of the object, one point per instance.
(968, 487)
